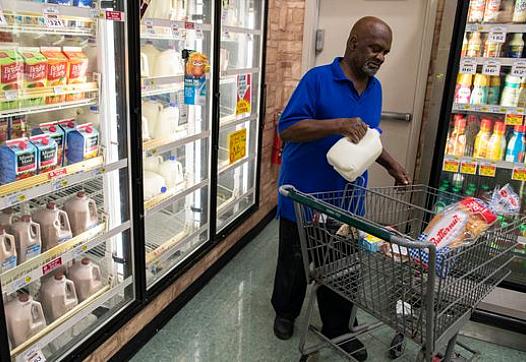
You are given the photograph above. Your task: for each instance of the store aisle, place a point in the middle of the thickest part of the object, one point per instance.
(231, 318)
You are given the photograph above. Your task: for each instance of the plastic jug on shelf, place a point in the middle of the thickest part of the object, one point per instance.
(8, 256)
(154, 185)
(172, 171)
(151, 53)
(152, 163)
(7, 217)
(167, 123)
(82, 213)
(151, 111)
(54, 224)
(145, 130)
(168, 63)
(161, 9)
(24, 318)
(87, 278)
(58, 296)
(28, 238)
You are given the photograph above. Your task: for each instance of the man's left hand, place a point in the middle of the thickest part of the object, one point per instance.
(398, 172)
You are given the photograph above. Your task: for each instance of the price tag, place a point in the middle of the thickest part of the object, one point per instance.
(519, 173)
(57, 173)
(237, 145)
(514, 119)
(11, 95)
(488, 169)
(52, 17)
(149, 26)
(482, 108)
(468, 167)
(518, 69)
(111, 15)
(59, 89)
(491, 67)
(188, 25)
(451, 165)
(199, 31)
(497, 35)
(51, 10)
(52, 265)
(34, 355)
(177, 32)
(468, 66)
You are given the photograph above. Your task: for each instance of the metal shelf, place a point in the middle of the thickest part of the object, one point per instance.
(21, 94)
(229, 205)
(39, 185)
(509, 28)
(48, 108)
(506, 62)
(228, 167)
(484, 108)
(240, 30)
(32, 7)
(166, 199)
(232, 121)
(162, 145)
(233, 72)
(160, 91)
(505, 165)
(164, 29)
(154, 81)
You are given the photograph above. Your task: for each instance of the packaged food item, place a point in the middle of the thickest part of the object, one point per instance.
(83, 143)
(505, 201)
(11, 75)
(57, 134)
(78, 69)
(18, 160)
(57, 72)
(370, 242)
(46, 152)
(35, 74)
(67, 126)
(17, 127)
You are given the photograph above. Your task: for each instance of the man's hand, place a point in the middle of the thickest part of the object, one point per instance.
(352, 128)
(399, 174)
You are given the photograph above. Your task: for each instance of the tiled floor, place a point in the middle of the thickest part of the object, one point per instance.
(231, 319)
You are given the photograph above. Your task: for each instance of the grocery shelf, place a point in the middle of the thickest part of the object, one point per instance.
(162, 90)
(233, 120)
(33, 7)
(229, 204)
(487, 27)
(164, 29)
(162, 145)
(43, 264)
(69, 319)
(507, 62)
(48, 108)
(153, 81)
(505, 165)
(234, 72)
(42, 29)
(21, 94)
(225, 166)
(241, 30)
(23, 190)
(166, 199)
(484, 108)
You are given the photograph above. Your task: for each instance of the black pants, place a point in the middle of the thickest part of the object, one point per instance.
(290, 286)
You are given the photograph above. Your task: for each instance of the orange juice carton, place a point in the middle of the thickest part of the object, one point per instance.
(11, 74)
(47, 151)
(35, 74)
(57, 134)
(67, 126)
(57, 72)
(78, 70)
(18, 160)
(83, 143)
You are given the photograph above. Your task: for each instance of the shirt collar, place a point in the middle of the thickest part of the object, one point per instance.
(337, 70)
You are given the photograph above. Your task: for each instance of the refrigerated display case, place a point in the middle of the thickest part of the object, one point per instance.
(66, 245)
(480, 142)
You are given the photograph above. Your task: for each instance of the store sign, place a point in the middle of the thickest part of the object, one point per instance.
(488, 169)
(114, 15)
(244, 94)
(237, 145)
(468, 167)
(514, 119)
(451, 165)
(491, 67)
(468, 66)
(519, 173)
(519, 69)
(497, 35)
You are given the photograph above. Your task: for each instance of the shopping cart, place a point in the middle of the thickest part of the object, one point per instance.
(423, 294)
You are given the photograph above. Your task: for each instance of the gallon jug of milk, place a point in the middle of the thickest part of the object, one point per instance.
(82, 213)
(7, 250)
(58, 296)
(54, 225)
(24, 318)
(351, 160)
(154, 185)
(172, 171)
(28, 238)
(7, 217)
(87, 278)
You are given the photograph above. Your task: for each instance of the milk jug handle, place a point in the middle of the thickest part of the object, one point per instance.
(35, 230)
(70, 290)
(96, 272)
(64, 220)
(11, 240)
(36, 311)
(92, 208)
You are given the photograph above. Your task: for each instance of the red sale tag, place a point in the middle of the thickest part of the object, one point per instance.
(57, 173)
(114, 15)
(52, 265)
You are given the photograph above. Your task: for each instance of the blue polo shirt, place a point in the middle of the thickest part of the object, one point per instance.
(323, 93)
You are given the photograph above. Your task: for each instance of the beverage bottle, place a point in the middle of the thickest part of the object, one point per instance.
(491, 12)
(497, 143)
(515, 149)
(464, 50)
(510, 93)
(458, 181)
(491, 49)
(458, 138)
(474, 45)
(442, 199)
(515, 46)
(519, 14)
(494, 90)
(476, 11)
(463, 89)
(479, 94)
(522, 94)
(470, 190)
(482, 139)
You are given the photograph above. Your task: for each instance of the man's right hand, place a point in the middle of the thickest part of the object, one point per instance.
(352, 128)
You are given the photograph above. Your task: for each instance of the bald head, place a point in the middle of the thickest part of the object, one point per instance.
(368, 44)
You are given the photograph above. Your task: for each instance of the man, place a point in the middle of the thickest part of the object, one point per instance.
(332, 101)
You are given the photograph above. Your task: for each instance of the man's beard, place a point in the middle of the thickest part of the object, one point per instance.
(370, 68)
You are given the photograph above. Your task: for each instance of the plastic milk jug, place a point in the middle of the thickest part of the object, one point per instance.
(54, 225)
(24, 318)
(364, 154)
(7, 251)
(28, 238)
(7, 217)
(58, 296)
(172, 171)
(82, 213)
(87, 278)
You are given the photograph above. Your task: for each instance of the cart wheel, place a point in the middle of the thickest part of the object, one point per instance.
(397, 346)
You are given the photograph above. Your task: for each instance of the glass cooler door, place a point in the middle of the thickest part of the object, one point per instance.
(176, 52)
(240, 83)
(65, 241)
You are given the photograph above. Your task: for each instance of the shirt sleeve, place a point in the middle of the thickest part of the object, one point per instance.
(380, 107)
(302, 103)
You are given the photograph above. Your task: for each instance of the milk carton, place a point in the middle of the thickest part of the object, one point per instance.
(18, 160)
(83, 143)
(35, 74)
(78, 70)
(57, 134)
(11, 71)
(57, 72)
(67, 126)
(47, 151)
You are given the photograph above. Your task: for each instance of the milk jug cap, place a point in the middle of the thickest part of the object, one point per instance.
(59, 276)
(81, 194)
(51, 205)
(53, 129)
(23, 298)
(26, 218)
(171, 158)
(85, 261)
(2, 230)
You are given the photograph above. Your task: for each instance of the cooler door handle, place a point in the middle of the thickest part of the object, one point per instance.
(397, 116)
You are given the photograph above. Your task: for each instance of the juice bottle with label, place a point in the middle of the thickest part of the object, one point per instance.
(494, 90)
(476, 11)
(519, 14)
(463, 89)
(482, 139)
(479, 94)
(515, 149)
(491, 11)
(474, 45)
(515, 46)
(464, 50)
(458, 138)
(491, 49)
(497, 143)
(510, 93)
(522, 94)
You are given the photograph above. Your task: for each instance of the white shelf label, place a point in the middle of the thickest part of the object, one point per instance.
(491, 67)
(199, 31)
(468, 66)
(497, 35)
(11, 95)
(149, 26)
(34, 355)
(518, 69)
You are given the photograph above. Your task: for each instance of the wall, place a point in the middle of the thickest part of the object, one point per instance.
(283, 70)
